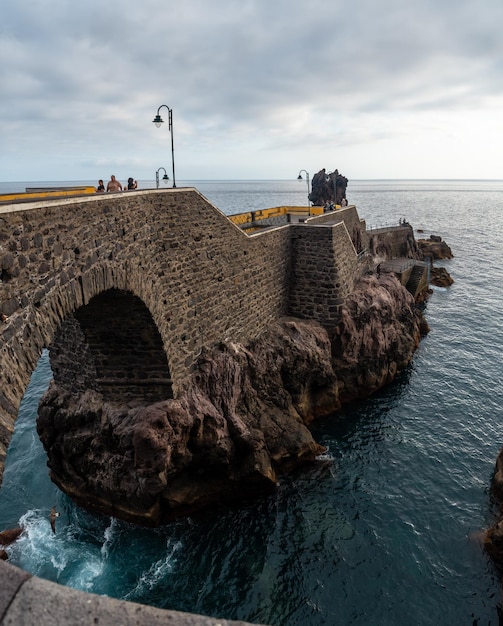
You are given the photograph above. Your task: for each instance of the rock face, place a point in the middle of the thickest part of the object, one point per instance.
(440, 277)
(242, 419)
(9, 536)
(435, 248)
(327, 188)
(493, 538)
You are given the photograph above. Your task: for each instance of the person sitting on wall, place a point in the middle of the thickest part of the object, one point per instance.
(114, 184)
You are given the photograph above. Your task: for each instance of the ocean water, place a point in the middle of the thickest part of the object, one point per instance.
(385, 530)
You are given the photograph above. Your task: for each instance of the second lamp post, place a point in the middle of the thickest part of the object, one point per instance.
(299, 177)
(158, 121)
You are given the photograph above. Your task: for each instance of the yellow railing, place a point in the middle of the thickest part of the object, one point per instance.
(43, 193)
(256, 216)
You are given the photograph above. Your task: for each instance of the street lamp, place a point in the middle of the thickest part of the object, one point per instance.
(299, 177)
(158, 121)
(165, 177)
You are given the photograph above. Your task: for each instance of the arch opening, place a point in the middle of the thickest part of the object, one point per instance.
(112, 345)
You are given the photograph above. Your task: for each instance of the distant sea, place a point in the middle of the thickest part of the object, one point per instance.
(388, 531)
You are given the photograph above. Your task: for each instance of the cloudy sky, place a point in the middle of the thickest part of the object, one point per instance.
(258, 88)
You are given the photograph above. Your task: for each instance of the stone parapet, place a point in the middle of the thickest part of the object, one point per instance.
(26, 600)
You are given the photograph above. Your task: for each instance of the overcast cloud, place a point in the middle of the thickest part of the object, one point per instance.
(258, 89)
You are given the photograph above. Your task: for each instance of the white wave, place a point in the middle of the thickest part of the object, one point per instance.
(156, 573)
(109, 537)
(38, 545)
(89, 570)
(326, 456)
(53, 555)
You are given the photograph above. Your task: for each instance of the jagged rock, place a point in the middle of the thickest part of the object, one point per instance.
(435, 248)
(379, 331)
(493, 538)
(9, 536)
(322, 188)
(440, 277)
(241, 421)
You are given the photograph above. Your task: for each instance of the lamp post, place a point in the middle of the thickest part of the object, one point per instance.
(158, 121)
(299, 177)
(165, 177)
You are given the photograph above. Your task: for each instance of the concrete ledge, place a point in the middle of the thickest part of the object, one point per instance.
(26, 600)
(11, 579)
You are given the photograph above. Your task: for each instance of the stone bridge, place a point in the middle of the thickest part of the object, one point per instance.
(126, 289)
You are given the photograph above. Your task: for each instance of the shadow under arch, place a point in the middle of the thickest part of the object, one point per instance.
(113, 346)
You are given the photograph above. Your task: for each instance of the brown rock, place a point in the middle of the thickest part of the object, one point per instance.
(493, 543)
(493, 538)
(379, 331)
(241, 420)
(9, 536)
(440, 277)
(326, 188)
(435, 248)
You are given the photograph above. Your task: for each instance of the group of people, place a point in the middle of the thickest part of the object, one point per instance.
(115, 185)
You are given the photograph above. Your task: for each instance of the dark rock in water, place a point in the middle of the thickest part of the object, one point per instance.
(242, 419)
(9, 536)
(3, 555)
(493, 539)
(327, 188)
(435, 248)
(493, 543)
(440, 277)
(380, 330)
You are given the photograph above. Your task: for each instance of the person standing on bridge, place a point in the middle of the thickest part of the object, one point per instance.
(114, 184)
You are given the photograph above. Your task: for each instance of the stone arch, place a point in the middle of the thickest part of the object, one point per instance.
(112, 345)
(34, 328)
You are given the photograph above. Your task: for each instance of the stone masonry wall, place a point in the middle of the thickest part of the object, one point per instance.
(324, 266)
(393, 242)
(355, 226)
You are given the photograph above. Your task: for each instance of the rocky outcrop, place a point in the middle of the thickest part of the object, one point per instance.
(240, 422)
(379, 331)
(328, 188)
(435, 248)
(10, 535)
(440, 277)
(493, 537)
(432, 249)
(6, 538)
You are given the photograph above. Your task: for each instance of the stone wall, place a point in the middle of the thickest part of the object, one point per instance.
(393, 242)
(355, 226)
(324, 266)
(201, 278)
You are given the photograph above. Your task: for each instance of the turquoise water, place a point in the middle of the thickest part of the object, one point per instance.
(385, 530)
